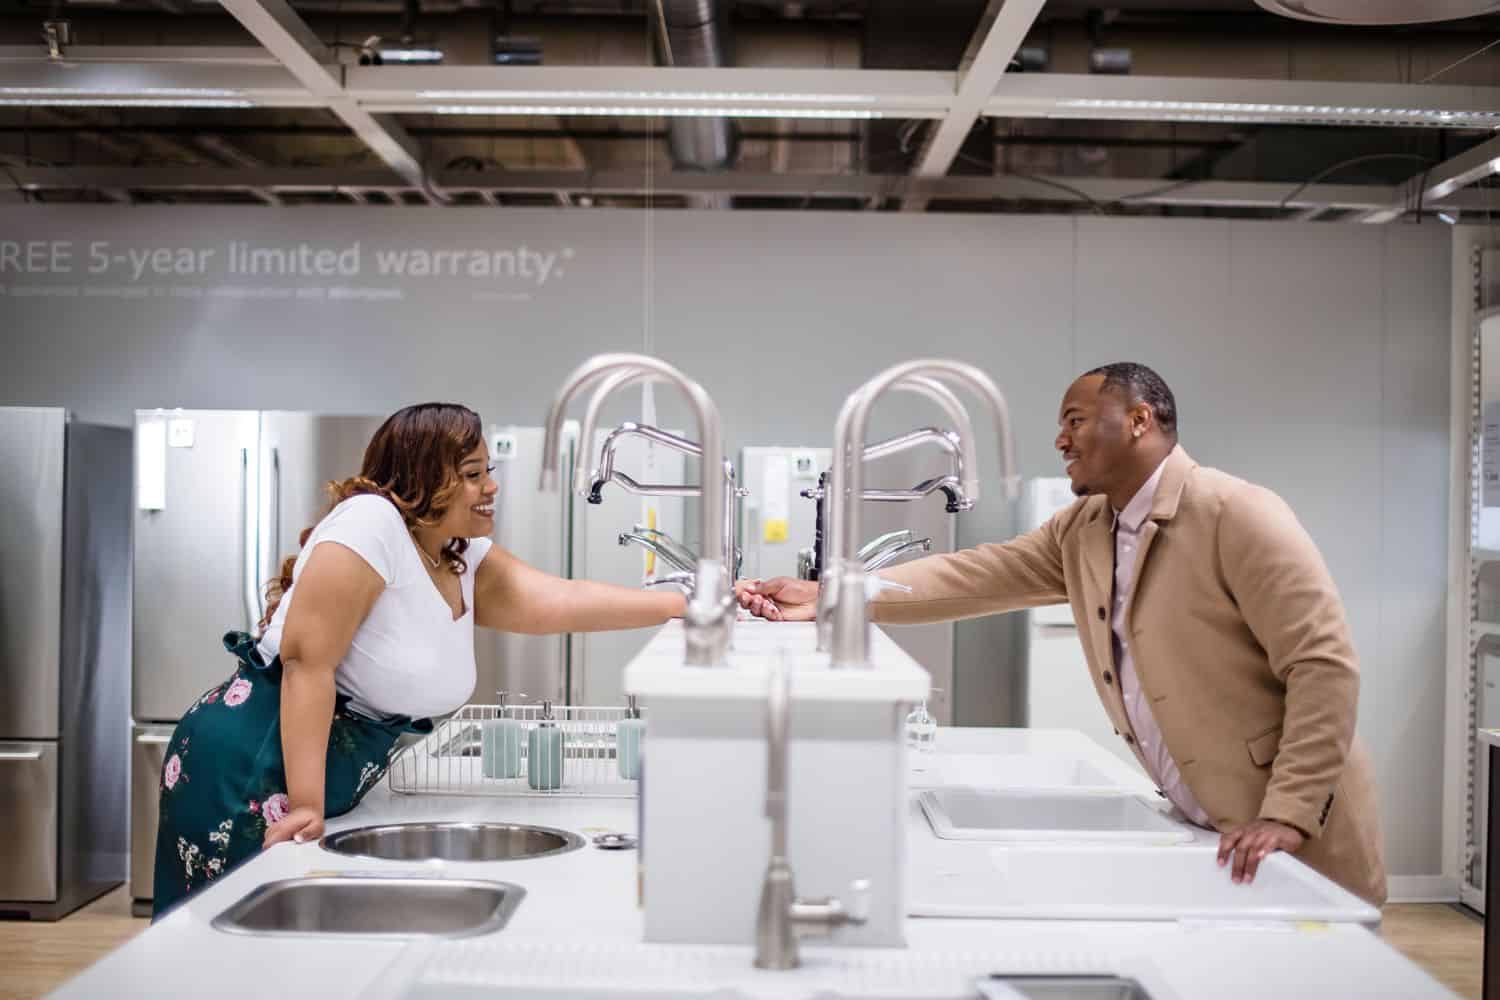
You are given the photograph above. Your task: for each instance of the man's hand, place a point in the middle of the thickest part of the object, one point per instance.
(780, 599)
(299, 825)
(1249, 845)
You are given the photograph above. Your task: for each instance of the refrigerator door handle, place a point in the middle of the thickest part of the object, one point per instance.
(20, 755)
(251, 556)
(153, 739)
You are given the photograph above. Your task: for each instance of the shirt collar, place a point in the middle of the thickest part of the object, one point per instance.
(1135, 512)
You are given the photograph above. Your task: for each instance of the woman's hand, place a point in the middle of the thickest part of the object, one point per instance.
(779, 599)
(299, 826)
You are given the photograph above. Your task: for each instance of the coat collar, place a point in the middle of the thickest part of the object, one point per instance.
(1174, 476)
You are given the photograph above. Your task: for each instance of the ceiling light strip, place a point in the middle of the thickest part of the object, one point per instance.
(638, 111)
(150, 92)
(121, 102)
(748, 97)
(1238, 109)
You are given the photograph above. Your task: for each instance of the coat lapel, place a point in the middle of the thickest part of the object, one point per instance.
(1174, 476)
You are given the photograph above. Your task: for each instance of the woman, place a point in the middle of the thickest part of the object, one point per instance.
(368, 631)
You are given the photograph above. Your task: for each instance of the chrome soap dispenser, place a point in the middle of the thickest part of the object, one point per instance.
(544, 751)
(629, 734)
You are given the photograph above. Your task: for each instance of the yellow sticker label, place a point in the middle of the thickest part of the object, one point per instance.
(1313, 926)
(775, 530)
(650, 556)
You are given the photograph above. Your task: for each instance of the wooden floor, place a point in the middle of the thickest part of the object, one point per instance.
(37, 957)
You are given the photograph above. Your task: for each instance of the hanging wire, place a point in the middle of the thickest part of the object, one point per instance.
(648, 228)
(1455, 65)
(1368, 157)
(1081, 195)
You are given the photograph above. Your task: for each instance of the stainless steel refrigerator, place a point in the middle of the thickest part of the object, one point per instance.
(222, 497)
(64, 659)
(776, 522)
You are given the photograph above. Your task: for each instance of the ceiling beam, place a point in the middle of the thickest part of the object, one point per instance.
(1003, 29)
(287, 37)
(1439, 185)
(1366, 198)
(1469, 167)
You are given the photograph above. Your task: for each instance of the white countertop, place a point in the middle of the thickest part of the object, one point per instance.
(580, 916)
(658, 670)
(1490, 736)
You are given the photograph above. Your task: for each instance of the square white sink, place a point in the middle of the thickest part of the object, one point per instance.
(979, 770)
(992, 814)
(1035, 882)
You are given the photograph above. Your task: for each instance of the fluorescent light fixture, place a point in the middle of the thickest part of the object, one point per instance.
(412, 57)
(1245, 111)
(148, 92)
(638, 111)
(747, 97)
(120, 102)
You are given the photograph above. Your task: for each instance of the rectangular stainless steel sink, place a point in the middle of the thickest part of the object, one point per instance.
(373, 906)
(961, 813)
(980, 770)
(1062, 988)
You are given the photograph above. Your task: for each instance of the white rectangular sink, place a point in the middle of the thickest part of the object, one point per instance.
(979, 770)
(993, 814)
(1035, 882)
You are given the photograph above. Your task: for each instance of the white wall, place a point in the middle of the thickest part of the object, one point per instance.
(1310, 358)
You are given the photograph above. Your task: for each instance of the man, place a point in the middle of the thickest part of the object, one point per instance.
(1214, 634)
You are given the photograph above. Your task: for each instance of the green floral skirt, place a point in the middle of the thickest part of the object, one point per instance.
(223, 782)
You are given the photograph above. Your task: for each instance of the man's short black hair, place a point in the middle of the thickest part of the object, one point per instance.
(1142, 385)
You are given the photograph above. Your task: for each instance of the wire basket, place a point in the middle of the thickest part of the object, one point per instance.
(466, 754)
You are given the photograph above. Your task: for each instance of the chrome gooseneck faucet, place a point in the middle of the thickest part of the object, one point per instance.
(710, 612)
(783, 917)
(959, 443)
(851, 626)
(606, 473)
(590, 480)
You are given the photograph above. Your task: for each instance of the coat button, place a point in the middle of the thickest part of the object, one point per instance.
(1108, 677)
(1101, 613)
(1130, 740)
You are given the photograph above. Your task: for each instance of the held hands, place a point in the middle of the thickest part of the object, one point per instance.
(780, 599)
(1248, 845)
(300, 825)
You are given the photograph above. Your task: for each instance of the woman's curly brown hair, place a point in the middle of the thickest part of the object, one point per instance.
(412, 461)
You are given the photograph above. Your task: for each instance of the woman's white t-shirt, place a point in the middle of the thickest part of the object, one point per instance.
(410, 656)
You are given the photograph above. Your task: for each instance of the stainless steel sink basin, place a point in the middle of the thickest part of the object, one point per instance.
(452, 842)
(1064, 988)
(373, 905)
